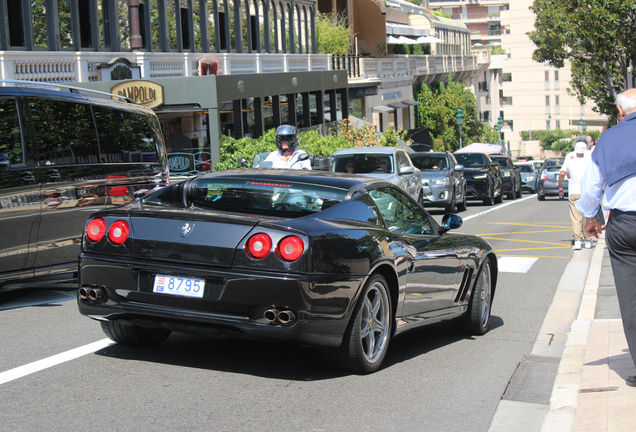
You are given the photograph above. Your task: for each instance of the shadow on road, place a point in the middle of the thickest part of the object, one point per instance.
(277, 360)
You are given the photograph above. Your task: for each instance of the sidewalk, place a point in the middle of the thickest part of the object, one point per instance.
(589, 392)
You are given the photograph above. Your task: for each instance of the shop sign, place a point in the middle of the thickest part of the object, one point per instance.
(360, 92)
(146, 93)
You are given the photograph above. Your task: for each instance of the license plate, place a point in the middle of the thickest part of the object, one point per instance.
(180, 286)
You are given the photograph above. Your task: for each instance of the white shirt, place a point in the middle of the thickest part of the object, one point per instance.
(575, 167)
(618, 196)
(292, 163)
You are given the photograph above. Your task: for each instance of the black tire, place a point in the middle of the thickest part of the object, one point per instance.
(478, 315)
(451, 207)
(490, 200)
(366, 339)
(519, 190)
(462, 206)
(134, 335)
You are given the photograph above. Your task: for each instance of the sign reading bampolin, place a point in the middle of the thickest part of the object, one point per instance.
(146, 93)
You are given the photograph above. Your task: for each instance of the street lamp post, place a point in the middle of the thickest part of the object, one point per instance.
(501, 140)
(460, 120)
(549, 123)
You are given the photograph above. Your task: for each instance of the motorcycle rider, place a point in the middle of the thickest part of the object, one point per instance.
(287, 155)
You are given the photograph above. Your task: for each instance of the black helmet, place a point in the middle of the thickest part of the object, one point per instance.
(286, 133)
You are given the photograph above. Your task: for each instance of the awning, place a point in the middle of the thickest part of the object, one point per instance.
(382, 109)
(392, 40)
(410, 102)
(397, 105)
(406, 30)
(408, 41)
(428, 39)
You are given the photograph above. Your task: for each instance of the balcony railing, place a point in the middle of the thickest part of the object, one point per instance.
(61, 67)
(349, 62)
(406, 67)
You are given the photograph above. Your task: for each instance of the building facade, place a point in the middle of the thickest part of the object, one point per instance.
(527, 95)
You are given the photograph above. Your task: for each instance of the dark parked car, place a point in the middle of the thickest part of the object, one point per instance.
(510, 174)
(443, 181)
(64, 154)
(548, 179)
(483, 177)
(336, 261)
(528, 176)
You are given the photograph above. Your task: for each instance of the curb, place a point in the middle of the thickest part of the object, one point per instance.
(563, 402)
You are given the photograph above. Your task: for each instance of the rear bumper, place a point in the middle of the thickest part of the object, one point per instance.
(232, 300)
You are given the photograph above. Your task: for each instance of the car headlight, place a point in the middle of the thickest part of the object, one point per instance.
(480, 176)
(443, 182)
(506, 173)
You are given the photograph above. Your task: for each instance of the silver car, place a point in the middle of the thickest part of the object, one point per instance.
(443, 180)
(528, 176)
(388, 163)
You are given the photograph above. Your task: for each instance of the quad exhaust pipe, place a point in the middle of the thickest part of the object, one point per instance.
(282, 317)
(92, 294)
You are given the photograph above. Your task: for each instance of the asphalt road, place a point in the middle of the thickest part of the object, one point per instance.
(434, 379)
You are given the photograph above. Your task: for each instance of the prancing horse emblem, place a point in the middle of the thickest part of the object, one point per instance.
(185, 229)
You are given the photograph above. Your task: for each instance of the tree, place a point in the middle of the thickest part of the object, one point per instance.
(596, 37)
(438, 109)
(332, 34)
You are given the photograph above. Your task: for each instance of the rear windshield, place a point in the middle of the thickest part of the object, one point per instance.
(525, 168)
(285, 199)
(363, 163)
(430, 162)
(502, 162)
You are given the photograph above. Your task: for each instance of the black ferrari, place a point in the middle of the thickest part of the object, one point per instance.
(336, 261)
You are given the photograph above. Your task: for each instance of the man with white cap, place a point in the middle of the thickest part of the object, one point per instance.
(574, 168)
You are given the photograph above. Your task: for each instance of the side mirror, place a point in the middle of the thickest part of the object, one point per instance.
(450, 221)
(459, 167)
(5, 163)
(406, 170)
(243, 162)
(303, 156)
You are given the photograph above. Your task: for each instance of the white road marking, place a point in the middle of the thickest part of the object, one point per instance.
(497, 207)
(55, 360)
(515, 264)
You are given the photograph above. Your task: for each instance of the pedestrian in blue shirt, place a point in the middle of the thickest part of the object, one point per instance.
(613, 165)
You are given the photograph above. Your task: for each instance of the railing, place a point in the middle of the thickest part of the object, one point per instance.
(62, 67)
(349, 62)
(406, 67)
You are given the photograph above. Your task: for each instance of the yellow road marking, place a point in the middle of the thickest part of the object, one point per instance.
(522, 241)
(534, 256)
(526, 232)
(539, 248)
(529, 224)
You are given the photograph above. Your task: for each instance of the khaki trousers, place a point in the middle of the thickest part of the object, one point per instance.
(577, 220)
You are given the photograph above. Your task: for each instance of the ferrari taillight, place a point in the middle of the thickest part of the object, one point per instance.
(96, 229)
(291, 248)
(259, 246)
(118, 232)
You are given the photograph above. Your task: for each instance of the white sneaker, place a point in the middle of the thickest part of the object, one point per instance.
(577, 245)
(588, 244)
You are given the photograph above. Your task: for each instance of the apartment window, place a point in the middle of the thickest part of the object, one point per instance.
(558, 124)
(507, 77)
(547, 80)
(547, 124)
(556, 100)
(556, 75)
(547, 101)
